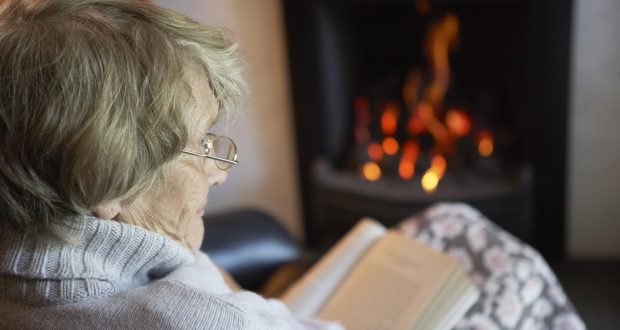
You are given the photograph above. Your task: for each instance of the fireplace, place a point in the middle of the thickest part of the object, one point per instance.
(391, 118)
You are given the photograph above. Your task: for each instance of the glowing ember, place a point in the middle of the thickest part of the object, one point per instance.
(406, 169)
(406, 166)
(371, 171)
(439, 165)
(411, 150)
(486, 144)
(389, 119)
(375, 151)
(415, 126)
(430, 181)
(458, 122)
(390, 146)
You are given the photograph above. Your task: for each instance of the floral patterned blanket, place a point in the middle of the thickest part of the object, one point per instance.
(518, 290)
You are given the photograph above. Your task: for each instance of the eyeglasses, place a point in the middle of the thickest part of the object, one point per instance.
(221, 149)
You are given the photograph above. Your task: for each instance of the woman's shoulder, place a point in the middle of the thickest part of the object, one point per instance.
(177, 304)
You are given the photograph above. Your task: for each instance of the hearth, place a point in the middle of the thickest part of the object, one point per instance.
(400, 104)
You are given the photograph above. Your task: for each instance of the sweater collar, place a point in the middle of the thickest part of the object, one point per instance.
(108, 257)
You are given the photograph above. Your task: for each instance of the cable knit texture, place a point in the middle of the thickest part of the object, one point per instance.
(120, 276)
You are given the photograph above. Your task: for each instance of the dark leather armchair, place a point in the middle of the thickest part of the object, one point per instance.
(249, 244)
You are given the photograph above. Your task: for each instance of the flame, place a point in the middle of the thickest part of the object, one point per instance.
(406, 166)
(406, 169)
(458, 122)
(390, 146)
(424, 101)
(389, 118)
(486, 143)
(441, 37)
(411, 150)
(415, 125)
(442, 136)
(439, 164)
(375, 151)
(430, 181)
(432, 176)
(371, 171)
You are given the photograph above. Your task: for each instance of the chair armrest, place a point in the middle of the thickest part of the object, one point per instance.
(249, 244)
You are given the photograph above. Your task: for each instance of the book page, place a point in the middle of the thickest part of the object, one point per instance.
(434, 307)
(461, 305)
(390, 286)
(308, 295)
(445, 310)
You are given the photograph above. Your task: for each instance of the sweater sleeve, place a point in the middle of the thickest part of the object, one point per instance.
(203, 275)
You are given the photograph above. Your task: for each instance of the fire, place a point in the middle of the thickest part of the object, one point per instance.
(375, 151)
(389, 124)
(439, 164)
(486, 143)
(430, 127)
(389, 118)
(406, 166)
(390, 146)
(438, 130)
(415, 125)
(371, 171)
(458, 122)
(430, 181)
(406, 169)
(441, 38)
(431, 178)
(411, 150)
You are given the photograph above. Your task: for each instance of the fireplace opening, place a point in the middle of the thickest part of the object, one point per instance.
(400, 104)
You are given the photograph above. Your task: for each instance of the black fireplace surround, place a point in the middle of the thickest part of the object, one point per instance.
(510, 68)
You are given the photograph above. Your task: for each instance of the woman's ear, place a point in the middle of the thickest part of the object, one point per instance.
(108, 210)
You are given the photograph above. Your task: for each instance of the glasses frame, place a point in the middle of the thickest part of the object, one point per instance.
(208, 143)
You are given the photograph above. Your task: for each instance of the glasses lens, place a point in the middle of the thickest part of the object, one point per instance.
(223, 147)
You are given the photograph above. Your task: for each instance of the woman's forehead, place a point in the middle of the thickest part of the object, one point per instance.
(204, 112)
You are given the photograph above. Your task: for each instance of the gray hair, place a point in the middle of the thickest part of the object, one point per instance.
(93, 95)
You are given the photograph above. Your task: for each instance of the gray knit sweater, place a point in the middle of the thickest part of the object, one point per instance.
(120, 276)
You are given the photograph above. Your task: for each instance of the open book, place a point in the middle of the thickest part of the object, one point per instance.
(378, 279)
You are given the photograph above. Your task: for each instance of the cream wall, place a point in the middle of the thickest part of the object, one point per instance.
(266, 177)
(594, 152)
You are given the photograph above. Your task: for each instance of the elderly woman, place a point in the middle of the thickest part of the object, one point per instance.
(105, 167)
